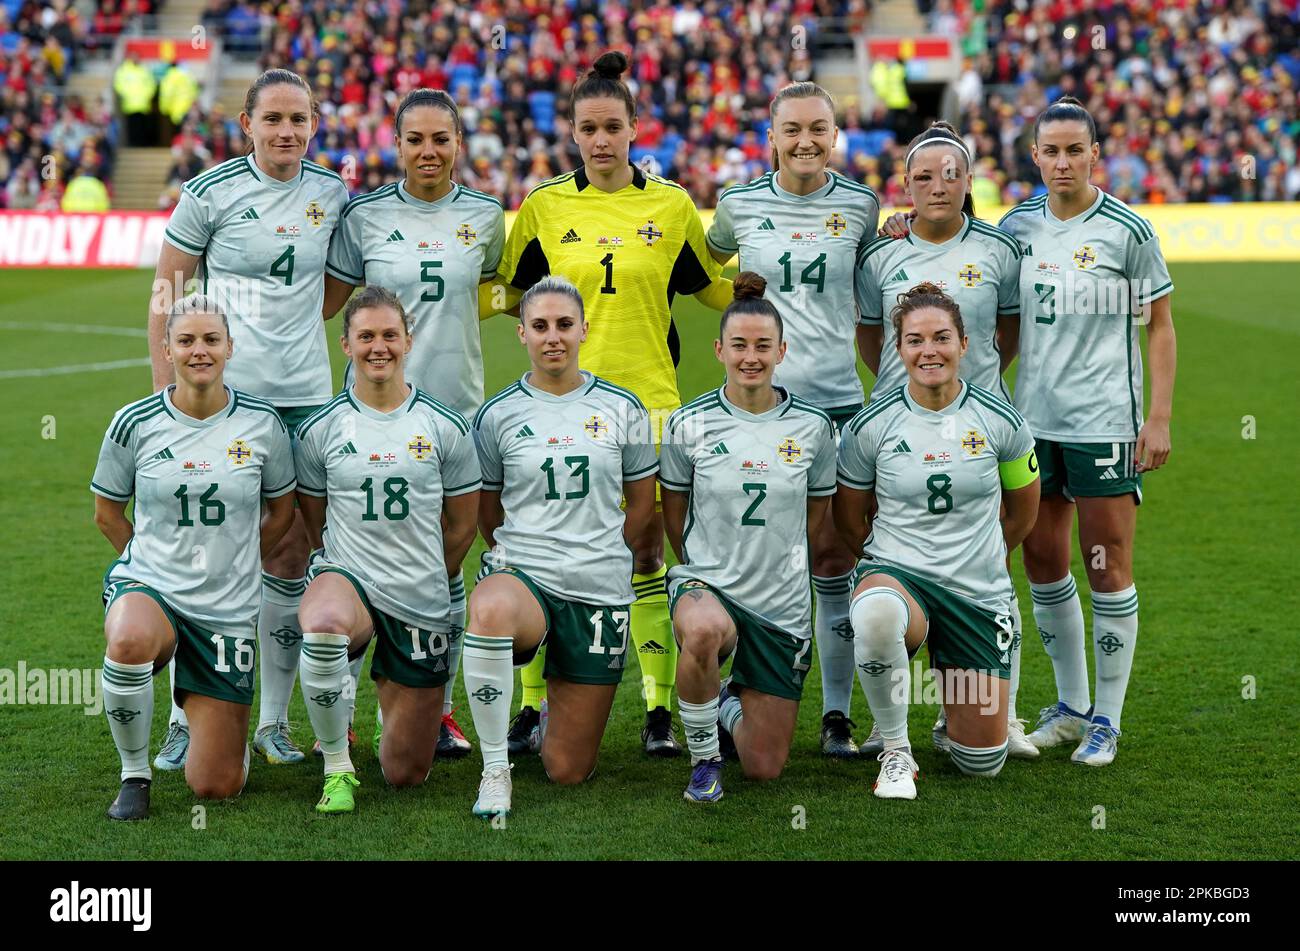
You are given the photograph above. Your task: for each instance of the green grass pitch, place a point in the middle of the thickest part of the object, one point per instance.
(1202, 771)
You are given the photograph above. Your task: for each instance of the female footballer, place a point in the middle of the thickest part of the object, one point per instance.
(260, 224)
(1092, 271)
(747, 471)
(200, 459)
(394, 474)
(629, 242)
(431, 241)
(802, 227)
(978, 266)
(560, 449)
(936, 460)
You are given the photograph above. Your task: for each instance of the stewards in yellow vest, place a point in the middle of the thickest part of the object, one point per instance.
(889, 83)
(135, 87)
(176, 93)
(85, 193)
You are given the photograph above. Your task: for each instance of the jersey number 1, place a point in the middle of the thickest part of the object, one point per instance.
(608, 287)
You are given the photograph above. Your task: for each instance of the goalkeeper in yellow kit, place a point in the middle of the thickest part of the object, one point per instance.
(629, 242)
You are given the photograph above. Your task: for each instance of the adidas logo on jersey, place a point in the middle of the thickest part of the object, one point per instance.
(165, 454)
(571, 237)
(767, 225)
(900, 276)
(720, 450)
(250, 215)
(396, 236)
(526, 431)
(902, 446)
(347, 449)
(1110, 473)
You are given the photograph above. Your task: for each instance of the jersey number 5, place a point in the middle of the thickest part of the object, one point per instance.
(427, 276)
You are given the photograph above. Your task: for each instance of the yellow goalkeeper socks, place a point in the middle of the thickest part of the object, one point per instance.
(652, 632)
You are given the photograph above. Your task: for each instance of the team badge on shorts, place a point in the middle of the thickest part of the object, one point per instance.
(970, 275)
(973, 442)
(789, 450)
(649, 233)
(419, 448)
(315, 214)
(836, 224)
(596, 427)
(238, 452)
(467, 235)
(1085, 257)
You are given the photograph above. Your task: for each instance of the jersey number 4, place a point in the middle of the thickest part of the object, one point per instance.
(282, 267)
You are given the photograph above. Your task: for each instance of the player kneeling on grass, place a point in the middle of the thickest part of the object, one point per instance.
(747, 471)
(199, 458)
(560, 450)
(396, 474)
(936, 459)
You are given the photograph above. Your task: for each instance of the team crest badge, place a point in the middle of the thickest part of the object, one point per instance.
(238, 452)
(1085, 257)
(789, 450)
(649, 233)
(419, 448)
(836, 224)
(315, 214)
(466, 235)
(974, 442)
(970, 275)
(596, 427)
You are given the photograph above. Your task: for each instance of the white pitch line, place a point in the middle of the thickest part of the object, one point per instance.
(77, 368)
(76, 328)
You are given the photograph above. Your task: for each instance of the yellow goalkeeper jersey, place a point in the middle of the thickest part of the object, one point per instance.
(628, 253)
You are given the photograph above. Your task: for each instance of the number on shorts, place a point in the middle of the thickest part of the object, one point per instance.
(939, 485)
(1004, 627)
(243, 655)
(800, 659)
(437, 643)
(621, 618)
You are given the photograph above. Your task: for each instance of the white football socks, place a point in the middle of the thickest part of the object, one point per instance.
(1013, 687)
(834, 635)
(456, 638)
(279, 642)
(488, 663)
(1114, 639)
(128, 704)
(700, 723)
(324, 671)
(879, 618)
(1059, 617)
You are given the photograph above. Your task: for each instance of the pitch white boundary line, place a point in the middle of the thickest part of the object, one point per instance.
(77, 368)
(76, 328)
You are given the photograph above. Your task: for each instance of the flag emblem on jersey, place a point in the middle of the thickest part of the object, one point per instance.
(289, 231)
(649, 233)
(552, 441)
(970, 275)
(396, 236)
(390, 457)
(347, 449)
(375, 457)
(567, 440)
(900, 276)
(596, 426)
(250, 214)
(974, 443)
(1049, 267)
(315, 214)
(719, 450)
(164, 454)
(570, 237)
(526, 431)
(238, 452)
(904, 447)
(1085, 257)
(836, 224)
(767, 225)
(614, 242)
(804, 237)
(419, 448)
(789, 450)
(749, 465)
(466, 234)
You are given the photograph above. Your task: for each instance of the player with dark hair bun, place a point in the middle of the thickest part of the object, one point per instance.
(747, 471)
(630, 242)
(433, 242)
(924, 472)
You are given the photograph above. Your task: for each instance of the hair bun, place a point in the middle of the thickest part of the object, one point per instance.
(610, 65)
(925, 288)
(1068, 101)
(748, 286)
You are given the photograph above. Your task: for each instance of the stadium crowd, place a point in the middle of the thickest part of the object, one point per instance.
(1195, 101)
